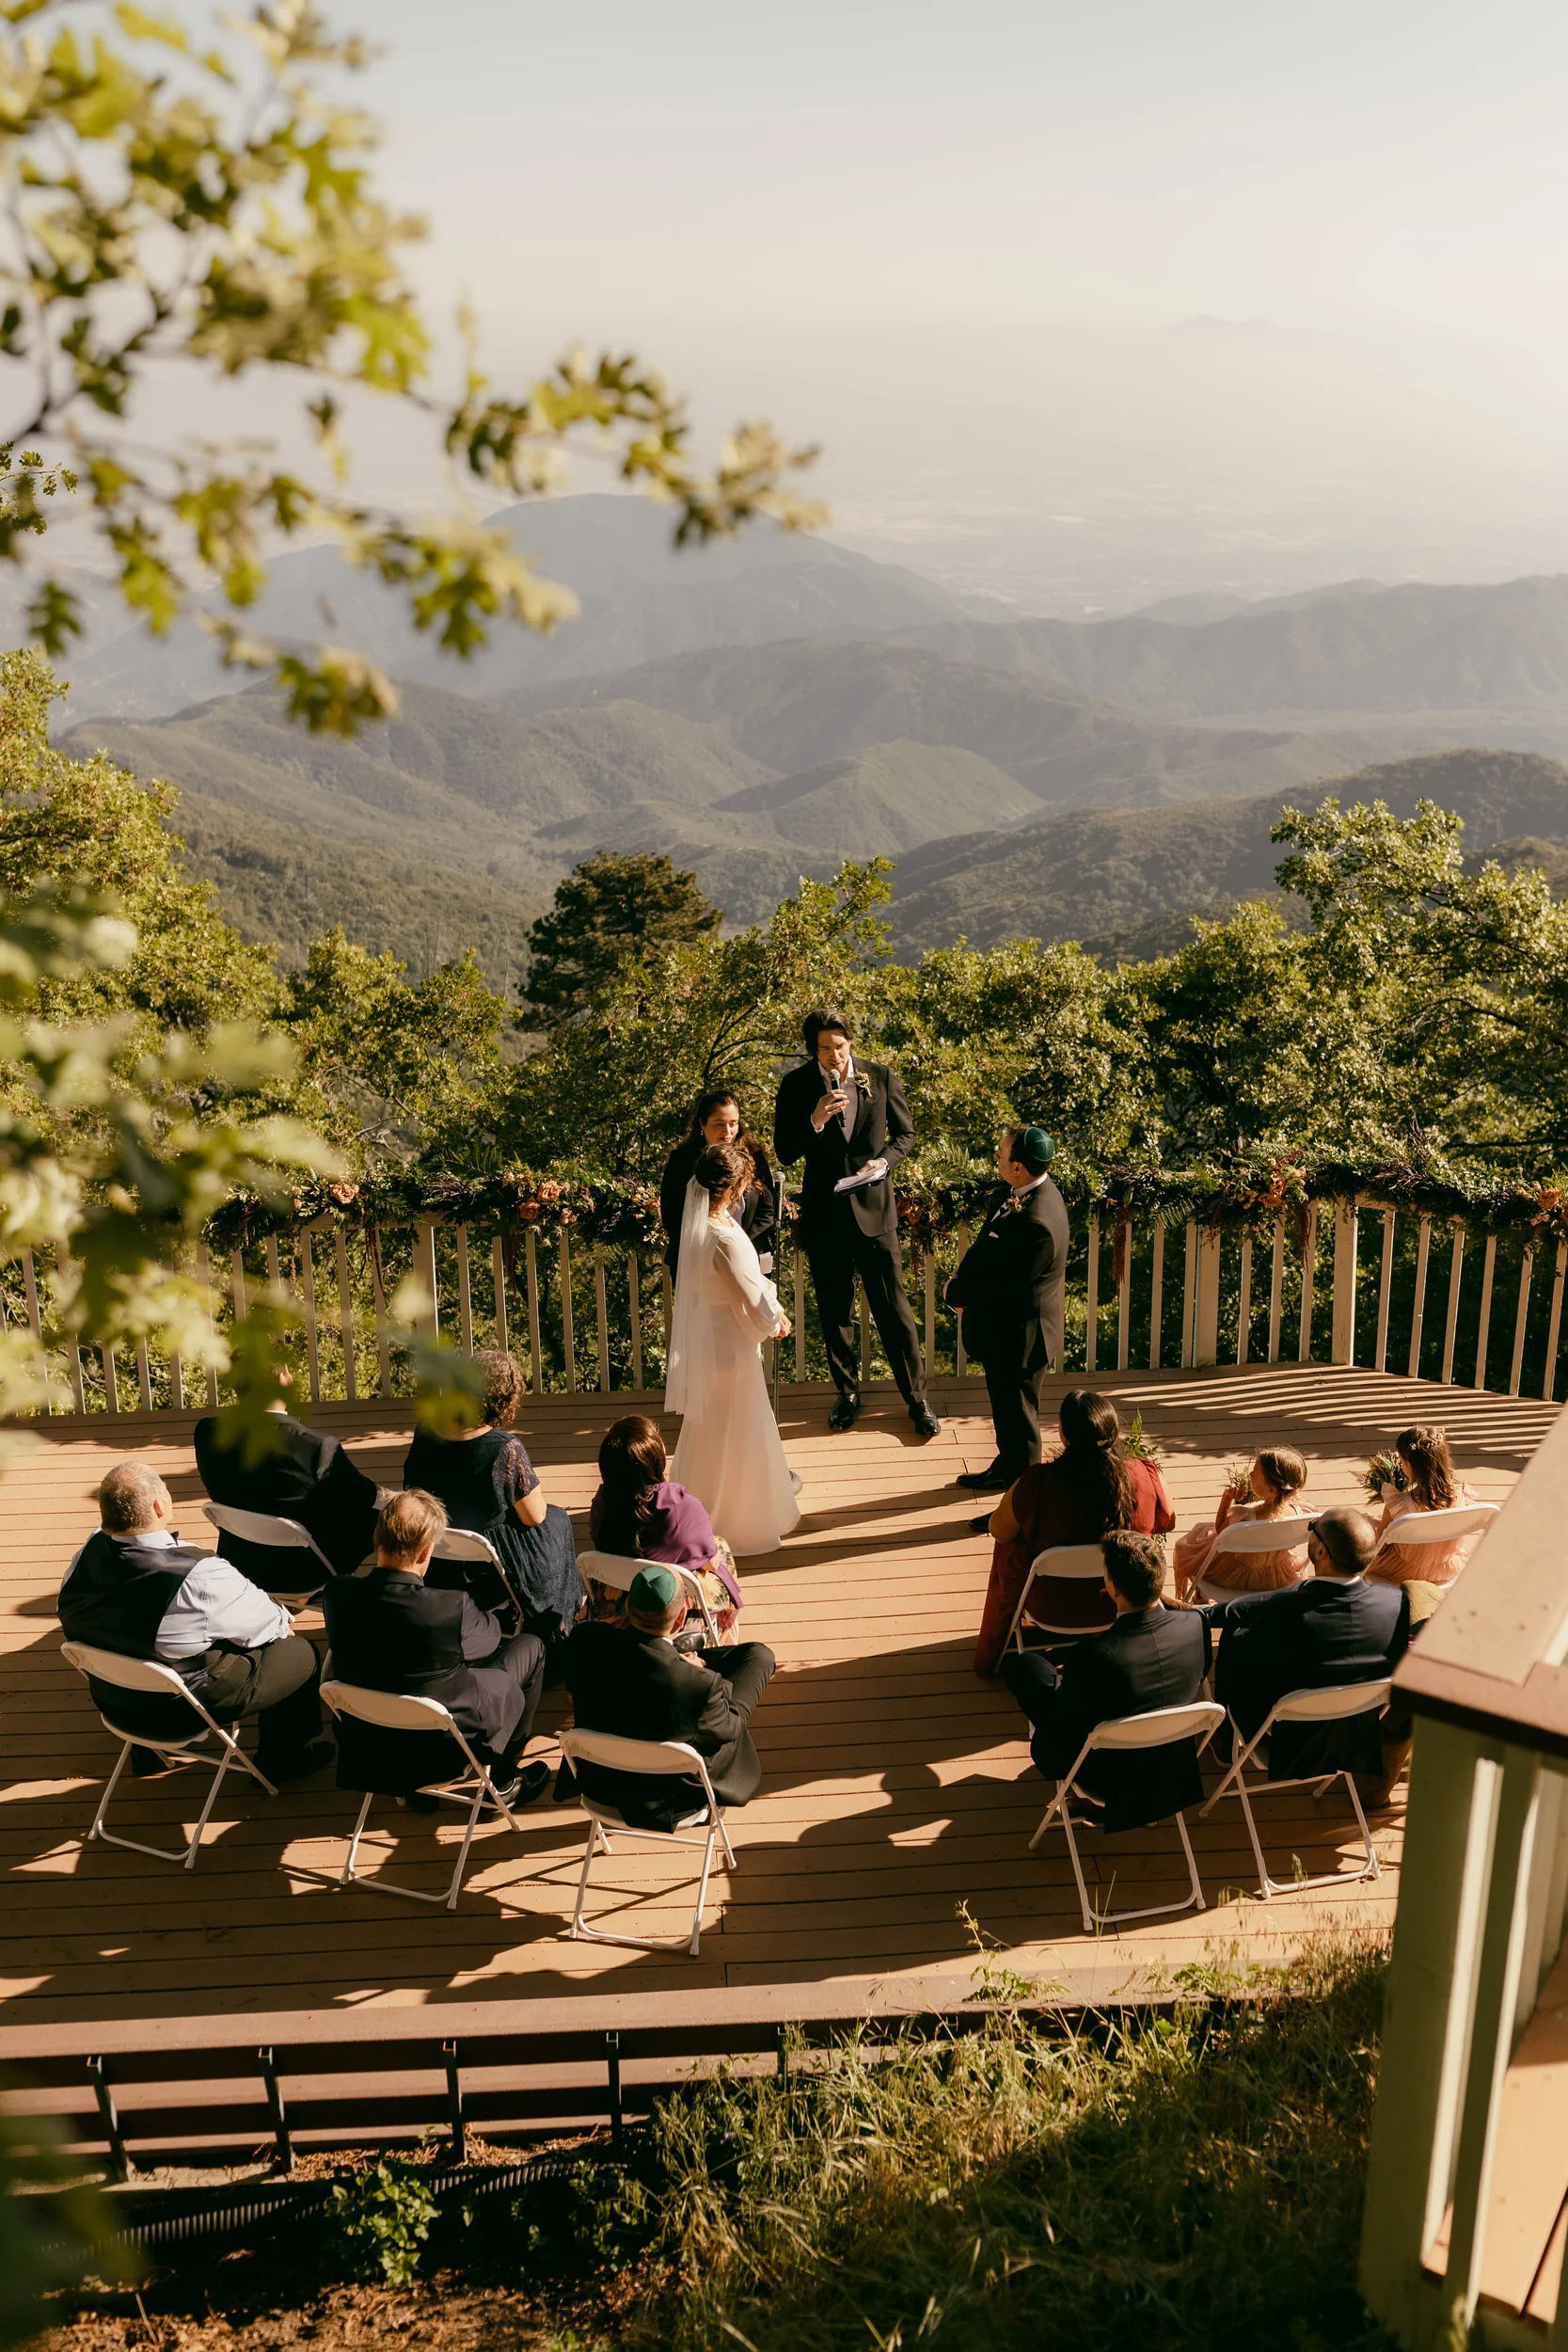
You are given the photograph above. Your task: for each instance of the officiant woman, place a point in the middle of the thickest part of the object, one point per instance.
(717, 1121)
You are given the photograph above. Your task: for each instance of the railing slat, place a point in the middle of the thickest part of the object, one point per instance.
(345, 1317)
(532, 1254)
(1156, 1294)
(1451, 1325)
(1526, 1268)
(1423, 1250)
(382, 1338)
(568, 1334)
(929, 1277)
(111, 1382)
(799, 1264)
(1488, 1269)
(204, 1270)
(1554, 1325)
(1385, 1286)
(424, 1265)
(497, 1288)
(959, 1360)
(308, 1288)
(236, 1283)
(1091, 1320)
(1276, 1288)
(1308, 1285)
(465, 1295)
(634, 1303)
(1243, 1304)
(1189, 1298)
(1124, 1293)
(601, 1307)
(30, 1291)
(144, 1376)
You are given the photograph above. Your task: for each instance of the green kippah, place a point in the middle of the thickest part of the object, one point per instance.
(653, 1590)
(1036, 1149)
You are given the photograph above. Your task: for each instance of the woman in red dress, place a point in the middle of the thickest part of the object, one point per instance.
(1078, 1495)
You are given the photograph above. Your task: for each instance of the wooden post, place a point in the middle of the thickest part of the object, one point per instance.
(800, 1273)
(1205, 1298)
(1243, 1304)
(1189, 1293)
(1526, 1268)
(959, 1360)
(382, 1338)
(1384, 1284)
(464, 1293)
(1091, 1318)
(236, 1282)
(425, 1260)
(866, 1335)
(1423, 1247)
(568, 1334)
(312, 1343)
(1156, 1302)
(530, 1249)
(1308, 1275)
(111, 1380)
(602, 1310)
(1124, 1301)
(204, 1273)
(1488, 1270)
(634, 1303)
(928, 1257)
(345, 1313)
(30, 1289)
(144, 1376)
(1554, 1323)
(498, 1292)
(1452, 1325)
(1276, 1288)
(1341, 1347)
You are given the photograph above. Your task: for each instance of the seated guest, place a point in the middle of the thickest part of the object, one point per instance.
(1430, 1485)
(485, 1482)
(1335, 1627)
(638, 1514)
(1149, 1657)
(1077, 1497)
(632, 1679)
(136, 1590)
(717, 1121)
(390, 1631)
(1275, 1483)
(306, 1476)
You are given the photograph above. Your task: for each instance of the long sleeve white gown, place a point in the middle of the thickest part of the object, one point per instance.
(729, 1453)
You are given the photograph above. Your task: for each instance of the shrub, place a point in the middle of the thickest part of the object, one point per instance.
(380, 2220)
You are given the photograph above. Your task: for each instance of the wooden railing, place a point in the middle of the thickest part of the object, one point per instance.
(1380, 1288)
(1466, 2214)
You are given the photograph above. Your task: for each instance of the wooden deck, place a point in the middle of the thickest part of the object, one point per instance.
(898, 1785)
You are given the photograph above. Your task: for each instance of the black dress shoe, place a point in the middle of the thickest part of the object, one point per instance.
(299, 1765)
(925, 1421)
(523, 1788)
(994, 1481)
(981, 1525)
(844, 1413)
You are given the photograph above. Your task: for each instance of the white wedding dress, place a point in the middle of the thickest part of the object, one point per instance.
(730, 1455)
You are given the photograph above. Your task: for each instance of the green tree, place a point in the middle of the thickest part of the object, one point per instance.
(610, 908)
(212, 206)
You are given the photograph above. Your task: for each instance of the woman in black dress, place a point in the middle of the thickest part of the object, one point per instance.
(488, 1484)
(717, 1121)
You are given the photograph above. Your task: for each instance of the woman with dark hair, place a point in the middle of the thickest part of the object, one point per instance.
(730, 1450)
(639, 1512)
(488, 1485)
(1082, 1492)
(716, 1122)
(1431, 1484)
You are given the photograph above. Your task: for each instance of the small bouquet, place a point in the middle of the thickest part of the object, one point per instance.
(1383, 1470)
(1239, 1480)
(1135, 1446)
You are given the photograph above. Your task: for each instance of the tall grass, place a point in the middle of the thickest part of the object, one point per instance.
(1192, 2179)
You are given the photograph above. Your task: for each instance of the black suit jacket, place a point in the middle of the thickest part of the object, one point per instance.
(881, 1130)
(1150, 1657)
(1011, 1280)
(1312, 1636)
(390, 1631)
(308, 1477)
(759, 1213)
(636, 1685)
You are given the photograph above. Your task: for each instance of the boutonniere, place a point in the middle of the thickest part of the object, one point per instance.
(863, 1086)
(1012, 1204)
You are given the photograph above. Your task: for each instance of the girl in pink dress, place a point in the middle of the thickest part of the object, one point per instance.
(1430, 1485)
(1277, 1478)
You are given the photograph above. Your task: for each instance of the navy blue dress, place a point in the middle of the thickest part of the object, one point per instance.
(479, 1479)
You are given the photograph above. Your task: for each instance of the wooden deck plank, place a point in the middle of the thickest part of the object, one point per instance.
(895, 1784)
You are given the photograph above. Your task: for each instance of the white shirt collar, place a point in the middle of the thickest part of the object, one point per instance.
(149, 1538)
(1020, 1191)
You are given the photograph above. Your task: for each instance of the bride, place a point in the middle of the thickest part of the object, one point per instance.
(729, 1453)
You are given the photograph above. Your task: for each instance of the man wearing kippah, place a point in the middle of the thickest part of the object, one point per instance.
(1009, 1293)
(633, 1680)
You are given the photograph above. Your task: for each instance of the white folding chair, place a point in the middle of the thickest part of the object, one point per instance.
(655, 1758)
(278, 1535)
(608, 1567)
(1416, 1531)
(391, 1711)
(1244, 1536)
(1122, 1734)
(149, 1677)
(1077, 1562)
(1340, 1705)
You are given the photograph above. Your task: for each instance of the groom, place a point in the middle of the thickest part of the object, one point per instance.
(849, 1118)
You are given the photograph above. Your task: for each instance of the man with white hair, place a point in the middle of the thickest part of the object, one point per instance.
(136, 1590)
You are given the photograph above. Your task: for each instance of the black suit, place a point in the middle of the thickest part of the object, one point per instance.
(1009, 1290)
(760, 1219)
(1150, 1657)
(849, 1233)
(1313, 1636)
(637, 1685)
(390, 1631)
(308, 1477)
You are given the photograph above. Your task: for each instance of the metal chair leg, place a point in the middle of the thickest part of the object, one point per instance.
(350, 1874)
